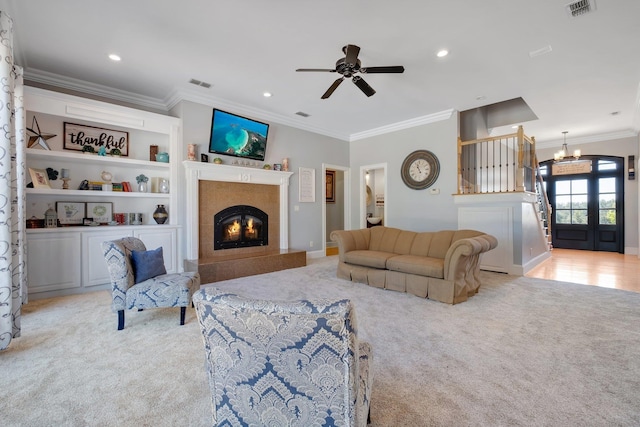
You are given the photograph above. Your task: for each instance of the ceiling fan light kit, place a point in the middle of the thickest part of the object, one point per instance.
(350, 68)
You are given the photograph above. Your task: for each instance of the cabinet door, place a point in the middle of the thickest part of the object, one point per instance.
(94, 267)
(167, 239)
(53, 261)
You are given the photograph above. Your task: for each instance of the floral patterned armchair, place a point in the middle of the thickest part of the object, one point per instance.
(164, 290)
(289, 363)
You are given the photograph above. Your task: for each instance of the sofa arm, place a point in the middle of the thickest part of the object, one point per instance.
(463, 254)
(350, 240)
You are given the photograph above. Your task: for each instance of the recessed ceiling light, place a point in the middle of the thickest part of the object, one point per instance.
(114, 57)
(267, 94)
(442, 53)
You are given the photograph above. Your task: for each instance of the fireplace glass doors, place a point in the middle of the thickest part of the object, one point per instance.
(240, 226)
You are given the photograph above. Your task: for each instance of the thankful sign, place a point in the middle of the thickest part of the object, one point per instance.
(76, 137)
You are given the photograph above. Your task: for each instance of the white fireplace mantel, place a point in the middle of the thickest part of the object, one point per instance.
(198, 171)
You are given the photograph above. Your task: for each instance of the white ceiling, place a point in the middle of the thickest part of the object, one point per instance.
(246, 47)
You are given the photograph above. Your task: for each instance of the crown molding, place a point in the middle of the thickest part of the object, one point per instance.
(590, 139)
(69, 83)
(177, 96)
(406, 124)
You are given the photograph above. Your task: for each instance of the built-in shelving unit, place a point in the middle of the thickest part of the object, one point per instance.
(69, 259)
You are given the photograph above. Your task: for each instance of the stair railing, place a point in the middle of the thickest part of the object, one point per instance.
(498, 164)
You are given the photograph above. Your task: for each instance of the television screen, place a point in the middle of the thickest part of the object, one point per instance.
(237, 136)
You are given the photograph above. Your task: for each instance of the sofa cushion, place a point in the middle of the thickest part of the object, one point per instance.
(421, 243)
(440, 243)
(375, 259)
(383, 239)
(404, 242)
(413, 264)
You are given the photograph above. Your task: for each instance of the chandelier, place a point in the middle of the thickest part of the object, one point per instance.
(564, 151)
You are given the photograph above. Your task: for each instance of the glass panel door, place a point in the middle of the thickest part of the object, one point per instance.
(588, 208)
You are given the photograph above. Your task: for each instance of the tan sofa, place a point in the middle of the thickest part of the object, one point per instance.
(440, 265)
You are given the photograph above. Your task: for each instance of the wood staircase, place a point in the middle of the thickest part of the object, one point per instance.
(544, 208)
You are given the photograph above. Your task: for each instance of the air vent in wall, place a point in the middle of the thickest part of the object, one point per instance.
(580, 7)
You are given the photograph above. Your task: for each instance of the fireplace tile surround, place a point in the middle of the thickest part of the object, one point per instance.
(218, 195)
(211, 188)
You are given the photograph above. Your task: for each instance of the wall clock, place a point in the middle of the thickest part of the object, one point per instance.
(420, 169)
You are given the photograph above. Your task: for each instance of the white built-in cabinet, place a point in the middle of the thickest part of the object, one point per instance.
(69, 259)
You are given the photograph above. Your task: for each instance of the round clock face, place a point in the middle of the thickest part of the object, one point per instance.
(420, 169)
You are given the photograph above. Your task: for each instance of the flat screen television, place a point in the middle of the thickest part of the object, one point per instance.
(233, 135)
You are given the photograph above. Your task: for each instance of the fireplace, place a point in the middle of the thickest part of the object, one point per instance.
(213, 188)
(240, 226)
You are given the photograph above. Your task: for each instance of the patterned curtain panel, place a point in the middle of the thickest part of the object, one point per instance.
(13, 273)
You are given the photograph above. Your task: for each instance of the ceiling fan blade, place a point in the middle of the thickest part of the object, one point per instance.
(364, 86)
(389, 69)
(332, 88)
(351, 54)
(321, 70)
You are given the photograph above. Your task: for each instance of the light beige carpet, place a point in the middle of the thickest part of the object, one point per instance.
(521, 352)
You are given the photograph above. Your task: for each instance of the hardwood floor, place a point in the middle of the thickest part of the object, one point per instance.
(606, 269)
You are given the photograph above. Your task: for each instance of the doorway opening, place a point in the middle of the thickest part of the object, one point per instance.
(587, 200)
(336, 208)
(373, 194)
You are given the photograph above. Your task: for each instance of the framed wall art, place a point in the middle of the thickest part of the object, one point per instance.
(76, 137)
(101, 212)
(330, 182)
(39, 178)
(307, 185)
(70, 213)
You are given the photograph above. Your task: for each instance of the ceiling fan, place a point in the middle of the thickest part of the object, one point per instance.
(349, 67)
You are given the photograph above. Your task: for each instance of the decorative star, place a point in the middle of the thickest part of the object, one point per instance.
(39, 137)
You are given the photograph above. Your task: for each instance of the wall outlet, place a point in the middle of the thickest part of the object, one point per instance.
(311, 243)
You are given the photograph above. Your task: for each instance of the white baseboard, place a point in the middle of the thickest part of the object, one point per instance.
(316, 254)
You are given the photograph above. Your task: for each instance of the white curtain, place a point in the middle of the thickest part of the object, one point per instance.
(13, 253)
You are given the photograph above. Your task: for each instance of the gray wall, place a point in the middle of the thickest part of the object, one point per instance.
(304, 149)
(623, 147)
(406, 208)
(416, 210)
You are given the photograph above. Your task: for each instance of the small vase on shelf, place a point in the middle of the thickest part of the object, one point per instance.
(142, 187)
(163, 187)
(160, 215)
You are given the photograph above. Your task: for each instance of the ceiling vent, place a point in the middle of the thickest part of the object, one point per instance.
(580, 7)
(199, 83)
(302, 114)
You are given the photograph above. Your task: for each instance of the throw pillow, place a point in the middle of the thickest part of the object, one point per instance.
(147, 264)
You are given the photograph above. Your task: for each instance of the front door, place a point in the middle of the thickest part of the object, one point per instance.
(588, 205)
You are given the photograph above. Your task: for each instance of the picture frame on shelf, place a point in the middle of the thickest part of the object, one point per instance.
(101, 212)
(77, 137)
(277, 166)
(70, 213)
(39, 177)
